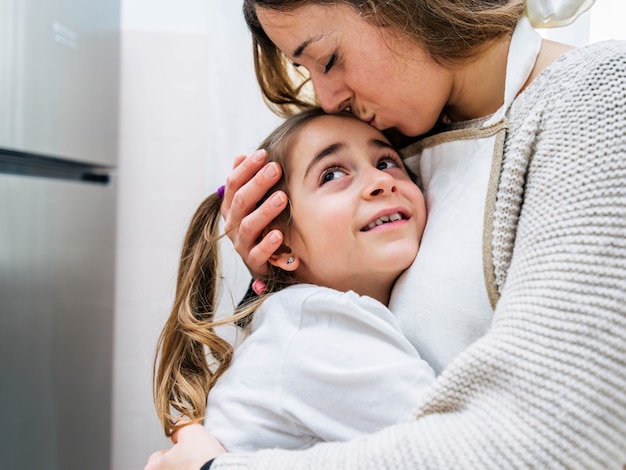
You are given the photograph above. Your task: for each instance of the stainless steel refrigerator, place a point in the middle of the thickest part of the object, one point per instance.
(59, 63)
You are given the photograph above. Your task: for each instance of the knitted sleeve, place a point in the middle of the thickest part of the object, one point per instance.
(546, 386)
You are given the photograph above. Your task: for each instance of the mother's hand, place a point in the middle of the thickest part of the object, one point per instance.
(245, 187)
(193, 447)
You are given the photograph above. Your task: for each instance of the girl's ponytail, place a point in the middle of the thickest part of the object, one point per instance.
(190, 355)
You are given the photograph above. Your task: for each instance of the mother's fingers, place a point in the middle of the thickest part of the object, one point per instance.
(244, 170)
(238, 160)
(250, 229)
(248, 184)
(245, 200)
(259, 254)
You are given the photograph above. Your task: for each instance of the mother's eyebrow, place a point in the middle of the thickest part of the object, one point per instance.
(297, 52)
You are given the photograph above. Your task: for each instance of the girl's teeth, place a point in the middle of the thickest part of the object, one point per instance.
(384, 219)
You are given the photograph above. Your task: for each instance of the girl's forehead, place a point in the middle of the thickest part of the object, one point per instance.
(331, 125)
(337, 131)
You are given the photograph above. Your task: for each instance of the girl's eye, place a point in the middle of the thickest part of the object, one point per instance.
(332, 174)
(389, 162)
(330, 63)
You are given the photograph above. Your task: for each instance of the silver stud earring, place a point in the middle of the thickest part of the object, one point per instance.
(290, 260)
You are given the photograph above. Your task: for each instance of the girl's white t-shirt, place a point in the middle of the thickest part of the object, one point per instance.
(319, 365)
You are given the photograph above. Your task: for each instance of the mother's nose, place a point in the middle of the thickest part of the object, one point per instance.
(332, 92)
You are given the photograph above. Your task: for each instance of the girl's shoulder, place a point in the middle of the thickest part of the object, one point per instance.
(300, 294)
(307, 304)
(286, 306)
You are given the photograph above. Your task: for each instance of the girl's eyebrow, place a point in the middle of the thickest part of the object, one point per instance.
(331, 149)
(382, 144)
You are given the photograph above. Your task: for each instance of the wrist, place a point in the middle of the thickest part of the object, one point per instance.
(207, 465)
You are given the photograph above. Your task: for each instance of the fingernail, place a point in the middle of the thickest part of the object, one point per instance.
(275, 238)
(258, 156)
(270, 171)
(277, 199)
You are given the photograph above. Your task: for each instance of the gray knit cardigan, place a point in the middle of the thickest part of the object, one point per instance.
(545, 388)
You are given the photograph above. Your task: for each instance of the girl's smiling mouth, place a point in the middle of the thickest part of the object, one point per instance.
(384, 219)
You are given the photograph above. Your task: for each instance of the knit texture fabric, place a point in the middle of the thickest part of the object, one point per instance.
(546, 386)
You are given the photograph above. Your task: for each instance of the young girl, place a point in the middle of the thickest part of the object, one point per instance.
(324, 359)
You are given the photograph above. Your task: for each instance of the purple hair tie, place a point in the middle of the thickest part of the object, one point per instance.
(220, 192)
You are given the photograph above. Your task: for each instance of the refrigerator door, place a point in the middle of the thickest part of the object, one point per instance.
(59, 72)
(59, 62)
(57, 242)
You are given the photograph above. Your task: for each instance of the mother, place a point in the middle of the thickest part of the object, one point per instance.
(519, 290)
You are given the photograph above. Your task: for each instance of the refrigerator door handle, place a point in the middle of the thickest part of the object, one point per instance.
(31, 164)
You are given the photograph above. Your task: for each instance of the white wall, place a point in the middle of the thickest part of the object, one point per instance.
(189, 104)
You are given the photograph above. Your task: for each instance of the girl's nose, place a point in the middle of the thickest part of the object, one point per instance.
(380, 184)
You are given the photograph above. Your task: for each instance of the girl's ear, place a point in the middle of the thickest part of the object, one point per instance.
(284, 259)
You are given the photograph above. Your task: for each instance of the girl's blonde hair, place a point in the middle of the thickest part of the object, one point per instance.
(191, 356)
(451, 31)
